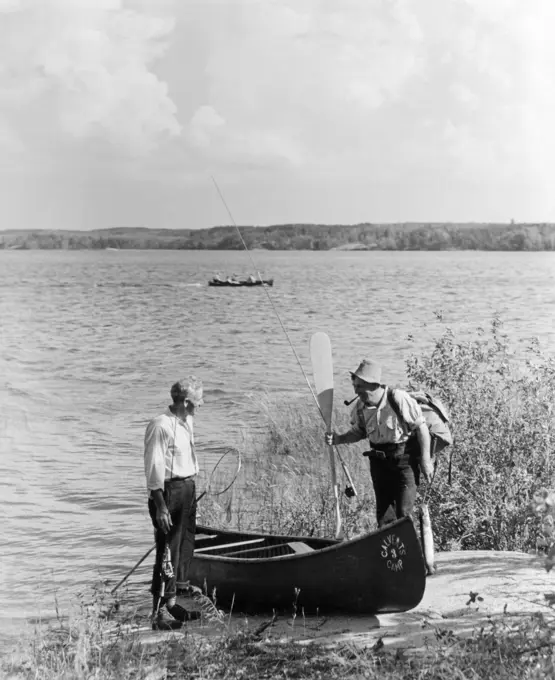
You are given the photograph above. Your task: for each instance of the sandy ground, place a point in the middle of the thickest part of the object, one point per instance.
(469, 589)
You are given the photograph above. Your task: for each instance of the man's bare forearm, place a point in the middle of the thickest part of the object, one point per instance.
(349, 437)
(158, 498)
(423, 436)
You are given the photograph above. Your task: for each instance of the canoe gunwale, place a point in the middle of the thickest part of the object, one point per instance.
(334, 545)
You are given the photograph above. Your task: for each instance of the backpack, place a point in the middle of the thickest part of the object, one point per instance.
(435, 414)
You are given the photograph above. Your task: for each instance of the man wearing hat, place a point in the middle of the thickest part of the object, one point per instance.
(170, 468)
(394, 471)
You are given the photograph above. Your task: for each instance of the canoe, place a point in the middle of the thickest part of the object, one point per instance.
(379, 572)
(266, 282)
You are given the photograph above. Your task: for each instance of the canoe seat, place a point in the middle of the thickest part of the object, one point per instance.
(299, 547)
(204, 537)
(211, 548)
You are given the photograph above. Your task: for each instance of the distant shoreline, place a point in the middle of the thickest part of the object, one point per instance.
(411, 236)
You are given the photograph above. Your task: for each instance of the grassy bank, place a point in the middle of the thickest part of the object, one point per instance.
(490, 492)
(109, 646)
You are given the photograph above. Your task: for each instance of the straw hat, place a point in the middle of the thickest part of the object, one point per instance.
(369, 371)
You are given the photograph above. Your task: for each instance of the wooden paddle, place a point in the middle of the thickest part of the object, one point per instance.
(426, 533)
(322, 369)
(427, 538)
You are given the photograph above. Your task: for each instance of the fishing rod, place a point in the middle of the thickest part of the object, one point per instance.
(350, 491)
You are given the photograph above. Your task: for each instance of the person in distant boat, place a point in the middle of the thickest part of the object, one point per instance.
(218, 277)
(251, 279)
(394, 469)
(232, 279)
(170, 468)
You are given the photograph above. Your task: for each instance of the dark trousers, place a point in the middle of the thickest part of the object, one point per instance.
(395, 478)
(179, 496)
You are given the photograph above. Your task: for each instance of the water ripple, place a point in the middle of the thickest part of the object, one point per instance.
(90, 345)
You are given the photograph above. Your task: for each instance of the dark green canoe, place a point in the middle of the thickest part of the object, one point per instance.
(379, 572)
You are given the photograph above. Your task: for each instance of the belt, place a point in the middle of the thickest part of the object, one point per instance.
(374, 453)
(178, 479)
(383, 451)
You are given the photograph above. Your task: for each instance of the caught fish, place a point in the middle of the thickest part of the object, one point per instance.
(229, 508)
(427, 538)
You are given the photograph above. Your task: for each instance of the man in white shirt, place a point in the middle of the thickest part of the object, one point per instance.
(170, 468)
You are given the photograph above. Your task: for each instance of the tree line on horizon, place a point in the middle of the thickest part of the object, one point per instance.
(411, 236)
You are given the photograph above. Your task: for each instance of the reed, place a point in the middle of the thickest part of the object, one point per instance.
(285, 484)
(502, 402)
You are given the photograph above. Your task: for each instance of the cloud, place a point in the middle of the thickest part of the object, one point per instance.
(84, 69)
(208, 133)
(282, 75)
(458, 85)
(363, 102)
(500, 66)
(204, 126)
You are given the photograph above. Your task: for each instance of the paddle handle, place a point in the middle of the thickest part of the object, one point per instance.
(322, 368)
(326, 405)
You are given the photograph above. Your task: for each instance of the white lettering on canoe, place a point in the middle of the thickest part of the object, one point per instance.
(392, 550)
(395, 565)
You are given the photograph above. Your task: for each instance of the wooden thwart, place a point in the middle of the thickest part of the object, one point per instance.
(205, 537)
(297, 547)
(300, 548)
(210, 548)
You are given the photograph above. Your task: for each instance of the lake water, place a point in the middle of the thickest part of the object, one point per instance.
(92, 340)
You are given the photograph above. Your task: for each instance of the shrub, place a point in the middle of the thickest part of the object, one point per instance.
(502, 406)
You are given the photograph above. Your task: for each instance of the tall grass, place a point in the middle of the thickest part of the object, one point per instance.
(502, 403)
(286, 482)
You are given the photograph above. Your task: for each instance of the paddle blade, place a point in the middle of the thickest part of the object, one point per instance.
(322, 370)
(427, 538)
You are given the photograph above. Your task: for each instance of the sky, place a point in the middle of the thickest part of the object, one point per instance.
(120, 112)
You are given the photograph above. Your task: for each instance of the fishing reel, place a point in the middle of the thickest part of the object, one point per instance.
(349, 491)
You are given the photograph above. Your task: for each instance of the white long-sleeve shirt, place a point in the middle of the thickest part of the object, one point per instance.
(169, 450)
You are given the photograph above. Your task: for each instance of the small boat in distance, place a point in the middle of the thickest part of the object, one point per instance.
(376, 573)
(245, 282)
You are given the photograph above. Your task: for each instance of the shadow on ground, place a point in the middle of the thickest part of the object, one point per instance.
(470, 590)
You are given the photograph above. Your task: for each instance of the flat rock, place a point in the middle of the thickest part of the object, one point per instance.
(468, 591)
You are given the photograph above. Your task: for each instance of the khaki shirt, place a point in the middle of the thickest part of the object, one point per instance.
(380, 423)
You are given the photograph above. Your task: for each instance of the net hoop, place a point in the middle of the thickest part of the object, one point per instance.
(208, 491)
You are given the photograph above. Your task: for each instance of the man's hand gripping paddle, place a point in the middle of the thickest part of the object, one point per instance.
(322, 369)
